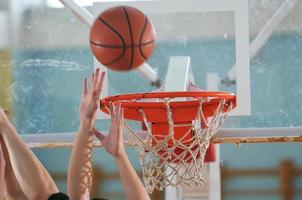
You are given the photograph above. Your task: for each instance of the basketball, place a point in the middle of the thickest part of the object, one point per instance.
(122, 38)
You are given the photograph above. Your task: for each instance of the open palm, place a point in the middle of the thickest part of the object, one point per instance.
(90, 96)
(113, 143)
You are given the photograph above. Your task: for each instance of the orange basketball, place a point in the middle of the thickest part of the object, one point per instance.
(122, 38)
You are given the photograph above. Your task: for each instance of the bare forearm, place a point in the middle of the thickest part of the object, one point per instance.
(30, 174)
(133, 187)
(2, 172)
(80, 169)
(11, 186)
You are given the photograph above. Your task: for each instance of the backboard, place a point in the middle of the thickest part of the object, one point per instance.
(213, 34)
(225, 55)
(206, 33)
(185, 28)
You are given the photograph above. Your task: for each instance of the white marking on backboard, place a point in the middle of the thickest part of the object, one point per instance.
(213, 81)
(177, 77)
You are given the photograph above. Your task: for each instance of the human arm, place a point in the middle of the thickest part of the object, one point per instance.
(79, 177)
(113, 143)
(2, 173)
(32, 177)
(12, 189)
(133, 187)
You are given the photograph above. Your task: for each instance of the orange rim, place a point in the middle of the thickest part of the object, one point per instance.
(183, 110)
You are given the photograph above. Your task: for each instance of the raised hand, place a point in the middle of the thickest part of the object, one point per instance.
(90, 97)
(80, 167)
(113, 143)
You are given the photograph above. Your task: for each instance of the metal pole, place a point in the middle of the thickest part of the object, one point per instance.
(264, 34)
(227, 135)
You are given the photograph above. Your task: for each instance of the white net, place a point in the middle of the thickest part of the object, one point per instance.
(170, 159)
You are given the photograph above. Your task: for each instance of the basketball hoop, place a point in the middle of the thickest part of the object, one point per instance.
(179, 128)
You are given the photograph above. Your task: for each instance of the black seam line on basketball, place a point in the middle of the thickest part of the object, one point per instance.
(141, 37)
(121, 46)
(121, 38)
(131, 38)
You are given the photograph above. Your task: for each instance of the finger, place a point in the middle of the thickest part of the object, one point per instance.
(120, 123)
(118, 111)
(111, 107)
(96, 78)
(100, 82)
(91, 81)
(117, 115)
(95, 95)
(99, 135)
(84, 89)
(122, 114)
(115, 118)
(121, 118)
(115, 126)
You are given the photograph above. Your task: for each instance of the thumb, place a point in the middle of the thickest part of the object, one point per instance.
(99, 135)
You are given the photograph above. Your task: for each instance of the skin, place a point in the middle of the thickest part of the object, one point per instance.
(80, 170)
(12, 189)
(25, 176)
(2, 173)
(79, 179)
(113, 143)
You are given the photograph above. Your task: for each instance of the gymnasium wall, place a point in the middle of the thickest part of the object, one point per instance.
(51, 94)
(44, 70)
(5, 79)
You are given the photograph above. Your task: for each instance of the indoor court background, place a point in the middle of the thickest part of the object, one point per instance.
(44, 55)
